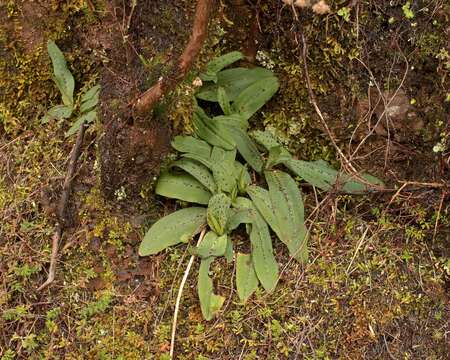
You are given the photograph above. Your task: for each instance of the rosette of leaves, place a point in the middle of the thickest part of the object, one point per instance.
(83, 107)
(238, 181)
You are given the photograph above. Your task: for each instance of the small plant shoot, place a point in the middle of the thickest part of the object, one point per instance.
(244, 181)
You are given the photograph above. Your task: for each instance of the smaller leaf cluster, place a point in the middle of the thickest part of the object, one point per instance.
(216, 168)
(84, 108)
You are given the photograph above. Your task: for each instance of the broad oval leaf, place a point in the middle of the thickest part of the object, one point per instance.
(61, 74)
(198, 171)
(235, 120)
(234, 81)
(255, 96)
(214, 66)
(218, 212)
(172, 229)
(246, 279)
(90, 99)
(210, 303)
(182, 187)
(318, 174)
(223, 169)
(355, 187)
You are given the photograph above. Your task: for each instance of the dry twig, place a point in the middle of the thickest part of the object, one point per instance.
(165, 84)
(61, 220)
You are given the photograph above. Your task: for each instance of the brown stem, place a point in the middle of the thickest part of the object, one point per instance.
(62, 206)
(199, 31)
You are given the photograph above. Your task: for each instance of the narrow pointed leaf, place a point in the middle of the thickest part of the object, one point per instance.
(246, 279)
(198, 171)
(90, 99)
(85, 118)
(212, 132)
(255, 96)
(243, 177)
(210, 303)
(261, 200)
(317, 174)
(172, 229)
(247, 148)
(189, 144)
(224, 101)
(352, 186)
(235, 120)
(264, 262)
(61, 74)
(182, 187)
(288, 210)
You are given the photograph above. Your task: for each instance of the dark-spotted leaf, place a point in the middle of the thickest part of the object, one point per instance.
(249, 101)
(318, 174)
(172, 229)
(288, 211)
(182, 187)
(246, 279)
(246, 147)
(261, 200)
(210, 303)
(212, 245)
(198, 171)
(353, 186)
(223, 169)
(211, 131)
(277, 155)
(264, 262)
(190, 144)
(265, 139)
(218, 212)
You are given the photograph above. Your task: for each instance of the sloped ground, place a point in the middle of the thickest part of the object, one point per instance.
(376, 286)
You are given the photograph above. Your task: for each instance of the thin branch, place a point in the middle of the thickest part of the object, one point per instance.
(165, 84)
(62, 206)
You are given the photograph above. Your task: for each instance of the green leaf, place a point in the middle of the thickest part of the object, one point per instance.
(172, 229)
(224, 101)
(355, 187)
(246, 279)
(277, 155)
(57, 112)
(189, 144)
(235, 120)
(229, 250)
(210, 303)
(234, 81)
(264, 262)
(243, 177)
(89, 100)
(317, 173)
(212, 245)
(85, 118)
(288, 211)
(223, 61)
(218, 212)
(261, 200)
(249, 101)
(182, 187)
(240, 216)
(320, 174)
(265, 139)
(246, 147)
(223, 169)
(198, 171)
(61, 74)
(211, 131)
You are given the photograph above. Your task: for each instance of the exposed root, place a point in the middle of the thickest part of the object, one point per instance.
(152, 96)
(61, 221)
(180, 292)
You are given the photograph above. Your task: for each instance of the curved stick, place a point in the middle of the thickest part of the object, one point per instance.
(199, 31)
